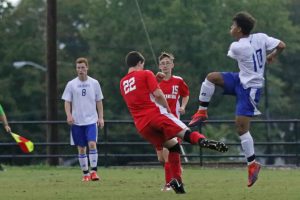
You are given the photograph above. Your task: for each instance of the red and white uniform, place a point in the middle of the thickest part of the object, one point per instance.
(152, 120)
(174, 88)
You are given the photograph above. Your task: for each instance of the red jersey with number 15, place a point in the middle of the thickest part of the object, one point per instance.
(137, 89)
(174, 88)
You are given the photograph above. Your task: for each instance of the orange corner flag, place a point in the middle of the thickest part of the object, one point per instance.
(25, 144)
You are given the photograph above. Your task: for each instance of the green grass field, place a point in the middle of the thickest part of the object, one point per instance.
(42, 182)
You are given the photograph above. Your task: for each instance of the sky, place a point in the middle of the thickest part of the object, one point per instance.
(14, 2)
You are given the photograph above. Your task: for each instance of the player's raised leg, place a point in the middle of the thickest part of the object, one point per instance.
(198, 138)
(174, 127)
(206, 92)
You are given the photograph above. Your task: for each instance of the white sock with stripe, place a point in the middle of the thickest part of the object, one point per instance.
(206, 91)
(248, 146)
(93, 156)
(83, 161)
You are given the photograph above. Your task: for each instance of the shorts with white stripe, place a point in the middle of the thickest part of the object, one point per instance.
(162, 128)
(246, 99)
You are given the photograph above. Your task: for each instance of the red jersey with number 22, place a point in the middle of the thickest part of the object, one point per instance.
(137, 89)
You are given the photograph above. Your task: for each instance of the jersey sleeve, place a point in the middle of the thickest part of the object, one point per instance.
(98, 91)
(67, 95)
(240, 50)
(271, 42)
(1, 111)
(151, 81)
(233, 51)
(184, 89)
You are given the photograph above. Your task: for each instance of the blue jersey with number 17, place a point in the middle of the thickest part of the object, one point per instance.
(250, 53)
(83, 95)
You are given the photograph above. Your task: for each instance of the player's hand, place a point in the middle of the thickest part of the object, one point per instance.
(7, 128)
(270, 58)
(70, 120)
(100, 122)
(181, 110)
(160, 76)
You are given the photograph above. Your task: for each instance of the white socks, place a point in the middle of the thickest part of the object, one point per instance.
(93, 156)
(206, 91)
(83, 161)
(247, 144)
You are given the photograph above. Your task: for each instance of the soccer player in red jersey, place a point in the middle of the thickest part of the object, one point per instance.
(152, 115)
(174, 88)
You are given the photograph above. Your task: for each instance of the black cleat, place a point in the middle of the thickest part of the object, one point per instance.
(214, 145)
(177, 186)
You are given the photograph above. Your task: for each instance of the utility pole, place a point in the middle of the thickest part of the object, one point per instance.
(269, 160)
(52, 134)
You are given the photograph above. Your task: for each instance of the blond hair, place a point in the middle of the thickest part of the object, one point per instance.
(166, 55)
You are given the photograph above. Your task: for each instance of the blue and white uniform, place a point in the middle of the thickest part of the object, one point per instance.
(83, 95)
(250, 53)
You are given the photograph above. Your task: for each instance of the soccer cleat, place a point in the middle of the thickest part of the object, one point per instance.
(214, 145)
(177, 186)
(166, 188)
(253, 170)
(199, 117)
(94, 176)
(86, 178)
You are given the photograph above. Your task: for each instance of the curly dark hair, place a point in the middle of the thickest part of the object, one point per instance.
(245, 21)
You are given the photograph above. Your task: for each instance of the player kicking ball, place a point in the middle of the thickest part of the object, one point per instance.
(250, 51)
(152, 115)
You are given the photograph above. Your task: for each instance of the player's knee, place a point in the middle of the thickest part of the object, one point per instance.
(241, 129)
(92, 145)
(161, 160)
(175, 148)
(187, 137)
(214, 77)
(160, 156)
(81, 150)
(211, 76)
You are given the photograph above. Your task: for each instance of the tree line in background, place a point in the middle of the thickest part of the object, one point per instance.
(195, 31)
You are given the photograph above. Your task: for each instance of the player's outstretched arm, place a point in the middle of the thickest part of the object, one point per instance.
(280, 47)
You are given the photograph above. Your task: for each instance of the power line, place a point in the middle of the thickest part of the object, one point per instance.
(146, 32)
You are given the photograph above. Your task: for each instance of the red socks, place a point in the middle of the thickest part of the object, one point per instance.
(175, 165)
(168, 172)
(195, 136)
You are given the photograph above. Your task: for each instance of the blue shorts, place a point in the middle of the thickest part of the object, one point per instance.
(81, 135)
(246, 99)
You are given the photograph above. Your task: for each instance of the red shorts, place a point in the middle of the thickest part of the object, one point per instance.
(162, 128)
